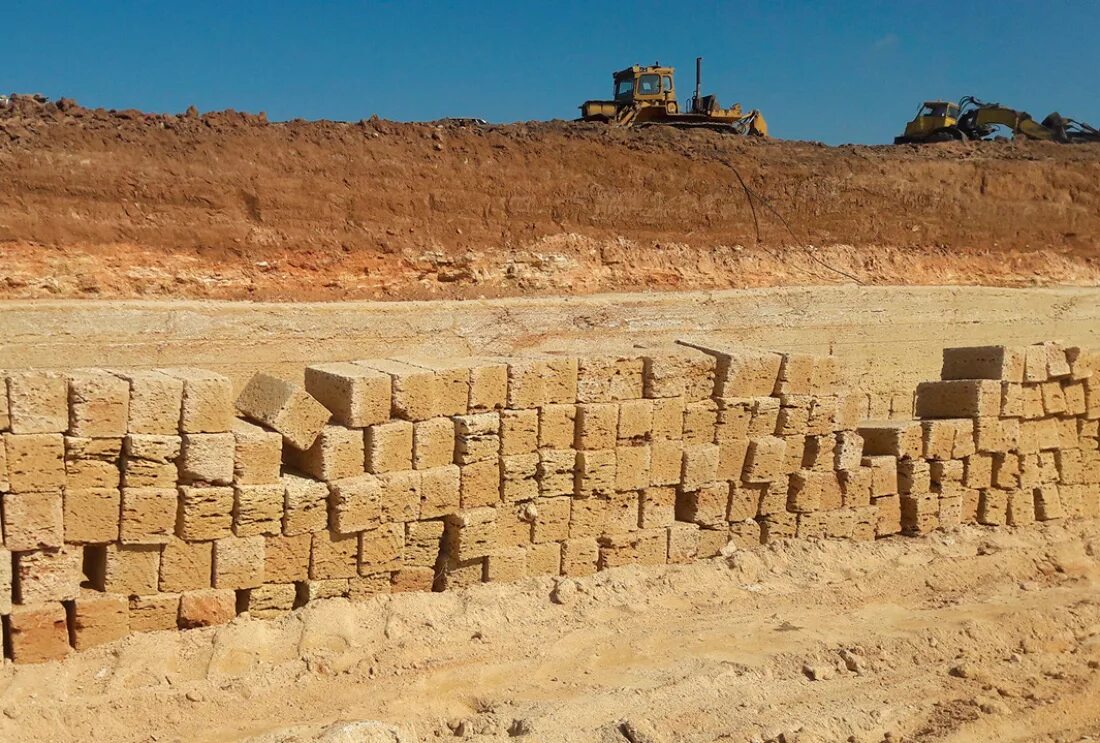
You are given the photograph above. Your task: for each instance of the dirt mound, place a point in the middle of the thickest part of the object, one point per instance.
(227, 204)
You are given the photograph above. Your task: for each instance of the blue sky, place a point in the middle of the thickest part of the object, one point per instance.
(830, 71)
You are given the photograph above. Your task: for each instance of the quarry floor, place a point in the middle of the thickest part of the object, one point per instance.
(974, 635)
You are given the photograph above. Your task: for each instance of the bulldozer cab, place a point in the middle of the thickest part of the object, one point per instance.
(644, 84)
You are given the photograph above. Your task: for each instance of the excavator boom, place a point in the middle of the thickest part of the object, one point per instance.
(983, 118)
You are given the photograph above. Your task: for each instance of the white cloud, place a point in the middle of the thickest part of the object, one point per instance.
(889, 41)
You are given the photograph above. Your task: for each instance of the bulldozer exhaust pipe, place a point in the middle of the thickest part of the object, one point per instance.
(698, 76)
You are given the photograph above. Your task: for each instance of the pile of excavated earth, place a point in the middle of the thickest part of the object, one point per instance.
(98, 203)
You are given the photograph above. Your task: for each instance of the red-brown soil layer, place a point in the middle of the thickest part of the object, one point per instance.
(121, 204)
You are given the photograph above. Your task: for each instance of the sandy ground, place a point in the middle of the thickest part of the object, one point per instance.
(976, 635)
(891, 337)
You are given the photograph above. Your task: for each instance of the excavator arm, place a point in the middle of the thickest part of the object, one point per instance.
(1020, 122)
(980, 119)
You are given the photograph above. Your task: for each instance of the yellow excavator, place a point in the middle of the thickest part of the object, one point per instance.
(970, 118)
(646, 95)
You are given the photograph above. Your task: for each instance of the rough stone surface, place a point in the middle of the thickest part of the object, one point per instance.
(284, 407)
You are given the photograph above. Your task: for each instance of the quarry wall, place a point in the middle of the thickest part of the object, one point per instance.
(889, 338)
(102, 204)
(164, 499)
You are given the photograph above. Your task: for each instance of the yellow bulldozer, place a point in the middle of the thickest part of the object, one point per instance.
(970, 118)
(646, 96)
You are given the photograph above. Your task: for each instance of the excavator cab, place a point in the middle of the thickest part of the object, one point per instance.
(935, 120)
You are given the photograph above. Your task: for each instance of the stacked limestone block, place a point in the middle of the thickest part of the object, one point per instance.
(790, 459)
(134, 501)
(483, 470)
(554, 465)
(408, 474)
(1009, 436)
(91, 471)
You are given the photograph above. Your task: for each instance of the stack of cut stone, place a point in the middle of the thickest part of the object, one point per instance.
(558, 465)
(1008, 436)
(95, 463)
(790, 457)
(135, 501)
(496, 469)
